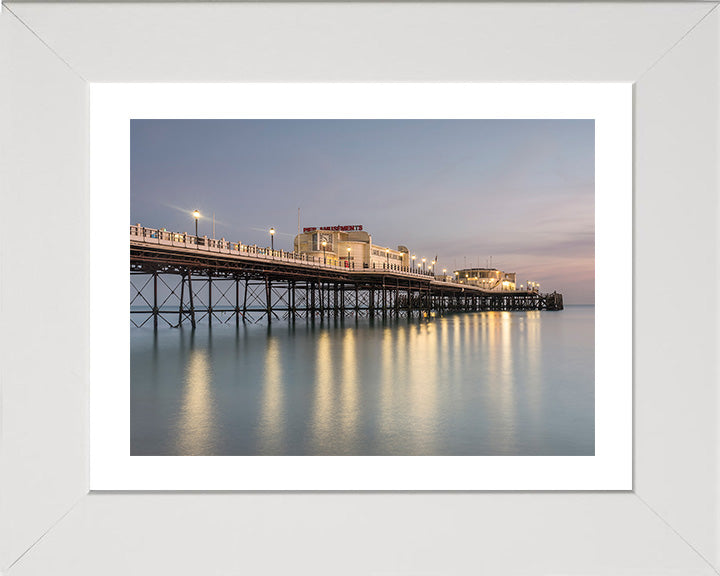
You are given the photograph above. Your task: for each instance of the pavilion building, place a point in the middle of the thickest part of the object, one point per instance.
(487, 278)
(350, 246)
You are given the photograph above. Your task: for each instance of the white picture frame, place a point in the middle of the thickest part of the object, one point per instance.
(112, 108)
(50, 523)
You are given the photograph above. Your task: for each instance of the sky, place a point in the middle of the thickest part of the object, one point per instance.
(521, 192)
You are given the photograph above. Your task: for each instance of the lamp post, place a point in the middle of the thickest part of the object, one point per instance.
(413, 262)
(423, 267)
(272, 239)
(387, 257)
(196, 215)
(348, 256)
(324, 245)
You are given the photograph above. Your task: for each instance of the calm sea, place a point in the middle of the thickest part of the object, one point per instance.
(487, 383)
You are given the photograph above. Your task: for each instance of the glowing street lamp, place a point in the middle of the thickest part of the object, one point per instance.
(324, 245)
(413, 262)
(196, 215)
(348, 257)
(387, 257)
(272, 239)
(423, 262)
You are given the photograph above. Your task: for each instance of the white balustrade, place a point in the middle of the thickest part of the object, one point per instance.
(187, 241)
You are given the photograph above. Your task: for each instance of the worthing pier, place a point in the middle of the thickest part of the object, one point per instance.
(179, 278)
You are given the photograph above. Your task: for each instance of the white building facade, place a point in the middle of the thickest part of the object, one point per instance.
(350, 246)
(487, 278)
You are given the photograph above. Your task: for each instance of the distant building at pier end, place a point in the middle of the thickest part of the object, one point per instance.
(350, 246)
(487, 278)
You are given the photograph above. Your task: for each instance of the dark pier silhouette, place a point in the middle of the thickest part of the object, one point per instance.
(178, 278)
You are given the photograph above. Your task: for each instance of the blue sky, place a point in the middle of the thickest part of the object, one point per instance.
(519, 191)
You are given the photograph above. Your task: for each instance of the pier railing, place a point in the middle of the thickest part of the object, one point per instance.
(176, 277)
(222, 246)
(203, 244)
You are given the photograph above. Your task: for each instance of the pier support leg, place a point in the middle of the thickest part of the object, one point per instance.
(396, 290)
(210, 312)
(182, 297)
(322, 300)
(384, 301)
(336, 304)
(291, 300)
(192, 303)
(409, 301)
(244, 312)
(237, 301)
(312, 299)
(155, 300)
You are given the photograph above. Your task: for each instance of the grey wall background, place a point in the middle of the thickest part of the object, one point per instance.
(668, 525)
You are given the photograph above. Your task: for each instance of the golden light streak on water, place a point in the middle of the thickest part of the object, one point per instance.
(457, 341)
(497, 351)
(507, 397)
(272, 406)
(349, 386)
(401, 346)
(491, 341)
(323, 398)
(197, 415)
(388, 387)
(422, 393)
(532, 351)
(442, 346)
(466, 335)
(472, 331)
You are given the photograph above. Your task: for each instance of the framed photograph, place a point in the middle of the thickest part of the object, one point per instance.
(559, 154)
(645, 499)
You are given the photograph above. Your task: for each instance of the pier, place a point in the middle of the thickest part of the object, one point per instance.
(179, 278)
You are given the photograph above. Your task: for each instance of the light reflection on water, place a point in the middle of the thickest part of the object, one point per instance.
(492, 383)
(323, 413)
(272, 407)
(196, 426)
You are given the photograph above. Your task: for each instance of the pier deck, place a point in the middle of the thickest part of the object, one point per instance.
(177, 278)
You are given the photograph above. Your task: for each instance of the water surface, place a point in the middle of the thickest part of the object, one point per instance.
(486, 383)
